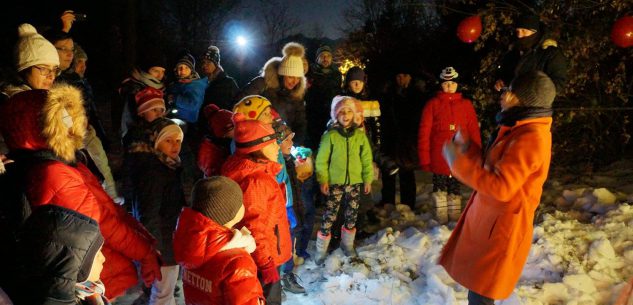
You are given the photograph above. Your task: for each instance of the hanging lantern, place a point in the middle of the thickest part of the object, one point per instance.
(469, 29)
(622, 32)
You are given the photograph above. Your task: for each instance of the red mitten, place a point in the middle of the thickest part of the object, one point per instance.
(270, 274)
(150, 268)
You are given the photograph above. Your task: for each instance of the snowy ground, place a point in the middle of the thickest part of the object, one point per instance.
(582, 252)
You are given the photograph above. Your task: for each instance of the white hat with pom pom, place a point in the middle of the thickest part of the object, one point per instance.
(33, 49)
(292, 62)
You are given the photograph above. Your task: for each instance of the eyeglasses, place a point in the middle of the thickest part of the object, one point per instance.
(45, 71)
(65, 50)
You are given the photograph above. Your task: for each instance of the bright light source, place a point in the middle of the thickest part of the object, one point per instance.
(241, 41)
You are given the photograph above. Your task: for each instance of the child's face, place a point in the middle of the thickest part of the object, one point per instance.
(157, 72)
(449, 86)
(356, 86)
(97, 266)
(170, 146)
(153, 114)
(183, 71)
(345, 117)
(271, 151)
(286, 144)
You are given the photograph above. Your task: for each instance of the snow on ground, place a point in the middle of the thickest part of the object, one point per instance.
(582, 254)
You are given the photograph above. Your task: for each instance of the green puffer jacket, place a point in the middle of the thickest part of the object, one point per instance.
(344, 157)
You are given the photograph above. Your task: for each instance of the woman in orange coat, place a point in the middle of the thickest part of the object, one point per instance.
(490, 244)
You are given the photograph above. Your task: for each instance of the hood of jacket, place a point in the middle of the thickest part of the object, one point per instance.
(197, 239)
(238, 167)
(52, 119)
(271, 77)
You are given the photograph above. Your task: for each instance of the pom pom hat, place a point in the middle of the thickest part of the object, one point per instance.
(292, 62)
(251, 135)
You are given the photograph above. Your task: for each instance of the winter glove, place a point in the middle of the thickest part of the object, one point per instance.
(150, 268)
(270, 273)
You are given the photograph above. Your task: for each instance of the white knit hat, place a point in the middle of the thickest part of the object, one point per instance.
(292, 64)
(33, 49)
(449, 74)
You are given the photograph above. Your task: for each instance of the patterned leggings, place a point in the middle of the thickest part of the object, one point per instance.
(339, 194)
(445, 184)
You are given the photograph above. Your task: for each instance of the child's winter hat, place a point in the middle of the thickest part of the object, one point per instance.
(212, 54)
(252, 106)
(355, 73)
(186, 59)
(220, 121)
(534, 89)
(251, 135)
(219, 198)
(347, 102)
(292, 62)
(449, 74)
(148, 99)
(33, 49)
(163, 128)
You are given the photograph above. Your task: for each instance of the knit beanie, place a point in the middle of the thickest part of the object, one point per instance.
(346, 102)
(449, 74)
(529, 21)
(33, 49)
(220, 121)
(252, 106)
(534, 89)
(355, 73)
(186, 59)
(292, 62)
(218, 198)
(163, 128)
(251, 135)
(322, 49)
(151, 57)
(79, 53)
(212, 54)
(149, 98)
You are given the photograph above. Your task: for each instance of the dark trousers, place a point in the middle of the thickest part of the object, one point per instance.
(477, 299)
(309, 189)
(446, 184)
(407, 187)
(272, 291)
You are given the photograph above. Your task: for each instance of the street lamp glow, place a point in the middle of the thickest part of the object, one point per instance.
(241, 41)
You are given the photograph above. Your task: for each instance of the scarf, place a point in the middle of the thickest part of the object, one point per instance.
(168, 161)
(526, 43)
(147, 79)
(91, 292)
(193, 76)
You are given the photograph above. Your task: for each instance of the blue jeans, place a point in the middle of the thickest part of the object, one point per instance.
(307, 196)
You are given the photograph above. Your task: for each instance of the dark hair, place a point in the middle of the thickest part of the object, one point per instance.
(56, 35)
(256, 155)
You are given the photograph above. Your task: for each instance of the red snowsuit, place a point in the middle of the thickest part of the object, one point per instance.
(213, 276)
(265, 204)
(52, 177)
(443, 115)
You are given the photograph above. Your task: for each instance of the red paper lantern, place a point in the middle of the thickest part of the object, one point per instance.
(469, 29)
(622, 32)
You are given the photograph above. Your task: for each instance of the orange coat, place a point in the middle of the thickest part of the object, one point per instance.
(491, 242)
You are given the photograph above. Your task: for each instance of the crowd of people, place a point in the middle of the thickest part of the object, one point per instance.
(219, 184)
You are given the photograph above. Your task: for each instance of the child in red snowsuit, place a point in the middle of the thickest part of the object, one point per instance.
(216, 145)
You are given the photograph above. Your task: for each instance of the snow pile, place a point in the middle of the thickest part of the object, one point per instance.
(599, 200)
(570, 263)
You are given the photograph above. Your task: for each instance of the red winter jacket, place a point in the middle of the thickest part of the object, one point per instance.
(211, 156)
(213, 276)
(265, 205)
(443, 115)
(52, 178)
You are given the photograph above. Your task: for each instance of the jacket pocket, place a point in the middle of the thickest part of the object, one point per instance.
(278, 239)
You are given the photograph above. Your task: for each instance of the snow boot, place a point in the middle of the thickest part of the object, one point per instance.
(290, 284)
(441, 206)
(454, 206)
(322, 243)
(347, 241)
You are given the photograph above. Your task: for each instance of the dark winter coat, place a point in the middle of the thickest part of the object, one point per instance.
(325, 85)
(544, 56)
(442, 117)
(490, 244)
(221, 91)
(288, 103)
(157, 199)
(51, 251)
(212, 274)
(401, 120)
(265, 204)
(47, 149)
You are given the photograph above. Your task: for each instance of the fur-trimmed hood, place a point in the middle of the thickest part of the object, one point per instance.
(272, 79)
(45, 119)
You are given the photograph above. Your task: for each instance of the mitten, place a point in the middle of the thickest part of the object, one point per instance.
(150, 268)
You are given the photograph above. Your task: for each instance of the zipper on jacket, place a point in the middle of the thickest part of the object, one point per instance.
(277, 234)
